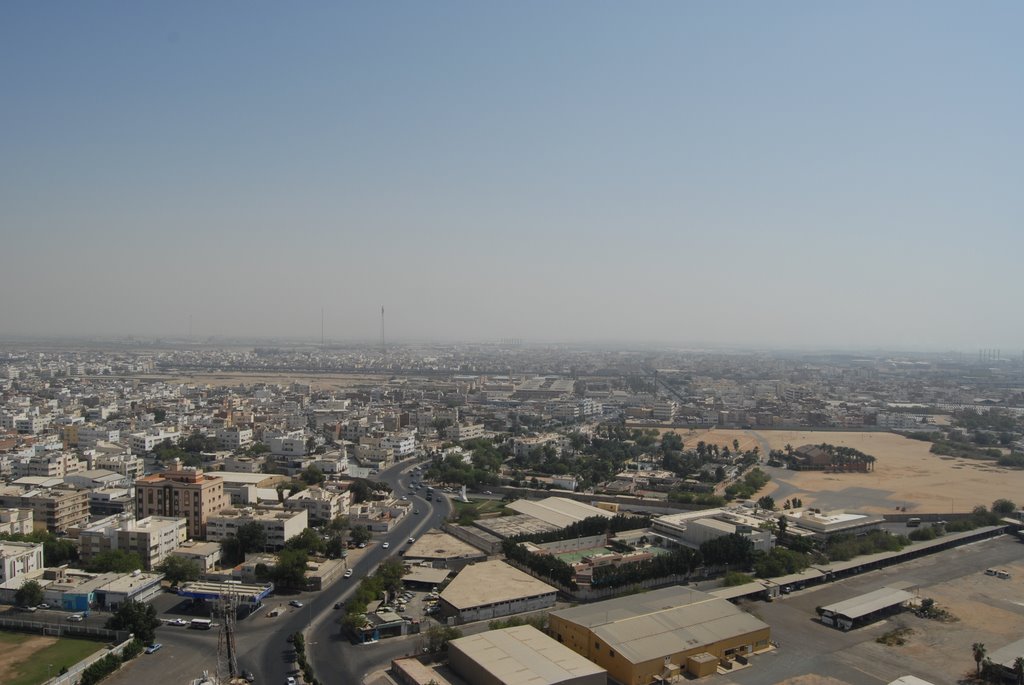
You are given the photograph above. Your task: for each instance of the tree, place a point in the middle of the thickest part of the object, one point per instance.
(29, 594)
(438, 638)
(1018, 669)
(766, 502)
(136, 617)
(251, 537)
(114, 560)
(1003, 507)
(783, 524)
(978, 651)
(312, 476)
(179, 569)
(360, 534)
(308, 540)
(290, 571)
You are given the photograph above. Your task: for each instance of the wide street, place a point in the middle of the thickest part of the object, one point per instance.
(262, 642)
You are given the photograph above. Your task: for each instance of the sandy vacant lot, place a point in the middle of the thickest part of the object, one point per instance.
(318, 382)
(16, 652)
(906, 473)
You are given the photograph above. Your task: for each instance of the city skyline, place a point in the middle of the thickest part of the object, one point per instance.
(751, 176)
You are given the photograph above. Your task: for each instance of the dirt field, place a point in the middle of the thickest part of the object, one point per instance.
(906, 473)
(317, 381)
(15, 652)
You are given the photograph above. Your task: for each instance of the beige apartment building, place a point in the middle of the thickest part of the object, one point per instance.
(181, 491)
(152, 538)
(53, 509)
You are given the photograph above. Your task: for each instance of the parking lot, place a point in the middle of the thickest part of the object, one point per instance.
(989, 609)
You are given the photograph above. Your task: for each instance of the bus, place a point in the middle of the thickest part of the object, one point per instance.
(201, 624)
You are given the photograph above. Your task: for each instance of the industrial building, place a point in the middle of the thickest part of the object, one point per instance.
(442, 550)
(864, 608)
(494, 589)
(558, 511)
(520, 656)
(660, 634)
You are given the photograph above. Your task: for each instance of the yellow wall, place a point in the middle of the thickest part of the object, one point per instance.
(582, 641)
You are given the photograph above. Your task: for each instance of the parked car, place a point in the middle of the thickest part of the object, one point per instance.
(76, 617)
(44, 605)
(348, 573)
(412, 540)
(153, 647)
(386, 545)
(178, 622)
(295, 603)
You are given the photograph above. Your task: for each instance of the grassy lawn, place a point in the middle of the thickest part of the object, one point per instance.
(32, 668)
(481, 507)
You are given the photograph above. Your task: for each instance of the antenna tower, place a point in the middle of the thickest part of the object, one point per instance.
(227, 653)
(383, 346)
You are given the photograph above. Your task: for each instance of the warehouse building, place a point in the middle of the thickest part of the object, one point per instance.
(493, 589)
(865, 608)
(660, 634)
(520, 656)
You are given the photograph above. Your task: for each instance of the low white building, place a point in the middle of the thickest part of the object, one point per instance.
(19, 558)
(141, 443)
(16, 521)
(321, 504)
(279, 526)
(152, 538)
(465, 431)
(694, 528)
(234, 437)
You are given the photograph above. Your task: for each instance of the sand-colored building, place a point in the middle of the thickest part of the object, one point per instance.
(659, 634)
(521, 655)
(494, 589)
(181, 491)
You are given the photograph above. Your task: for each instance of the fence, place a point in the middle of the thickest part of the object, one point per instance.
(72, 673)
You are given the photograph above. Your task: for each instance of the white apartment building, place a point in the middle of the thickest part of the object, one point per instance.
(234, 437)
(664, 411)
(30, 425)
(152, 538)
(279, 526)
(128, 465)
(402, 444)
(290, 445)
(145, 442)
(322, 505)
(371, 449)
(465, 431)
(88, 436)
(19, 558)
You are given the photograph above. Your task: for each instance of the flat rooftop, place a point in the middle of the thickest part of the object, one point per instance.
(558, 511)
(509, 526)
(525, 656)
(492, 582)
(868, 603)
(438, 545)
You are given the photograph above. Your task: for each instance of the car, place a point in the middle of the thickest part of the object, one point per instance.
(153, 647)
(249, 676)
(28, 609)
(178, 622)
(488, 492)
(386, 545)
(74, 618)
(1002, 573)
(416, 511)
(348, 573)
(295, 603)
(44, 605)
(361, 545)
(338, 605)
(990, 572)
(412, 540)
(404, 498)
(289, 681)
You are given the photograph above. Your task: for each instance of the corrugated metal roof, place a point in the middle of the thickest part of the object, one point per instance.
(558, 511)
(869, 603)
(492, 582)
(656, 624)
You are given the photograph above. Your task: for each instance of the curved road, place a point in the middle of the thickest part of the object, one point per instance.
(333, 658)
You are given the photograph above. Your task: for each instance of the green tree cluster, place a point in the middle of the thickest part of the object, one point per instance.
(29, 594)
(114, 561)
(846, 547)
(387, 578)
(179, 569)
(136, 617)
(780, 562)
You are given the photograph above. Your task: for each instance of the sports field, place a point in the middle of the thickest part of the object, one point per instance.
(27, 659)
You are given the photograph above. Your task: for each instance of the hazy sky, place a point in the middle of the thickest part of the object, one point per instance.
(753, 173)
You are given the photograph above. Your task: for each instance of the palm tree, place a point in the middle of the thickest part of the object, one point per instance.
(978, 651)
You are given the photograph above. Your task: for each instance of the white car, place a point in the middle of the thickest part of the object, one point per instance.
(386, 545)
(348, 573)
(412, 540)
(76, 617)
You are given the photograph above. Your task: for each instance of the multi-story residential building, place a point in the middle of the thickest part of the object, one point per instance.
(291, 445)
(56, 465)
(181, 491)
(234, 437)
(30, 425)
(664, 411)
(371, 449)
(152, 538)
(86, 436)
(458, 432)
(96, 478)
(19, 558)
(205, 554)
(279, 526)
(402, 444)
(145, 442)
(55, 509)
(127, 465)
(16, 521)
(321, 504)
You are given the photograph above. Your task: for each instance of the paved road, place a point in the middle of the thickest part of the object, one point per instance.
(262, 642)
(334, 659)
